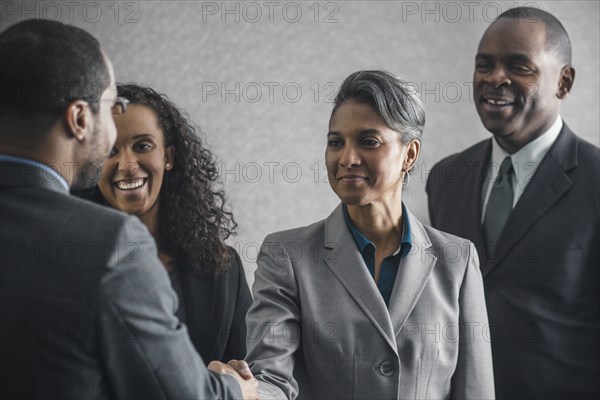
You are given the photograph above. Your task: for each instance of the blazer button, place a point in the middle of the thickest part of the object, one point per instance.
(387, 368)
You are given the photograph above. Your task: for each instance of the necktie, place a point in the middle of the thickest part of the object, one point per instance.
(500, 203)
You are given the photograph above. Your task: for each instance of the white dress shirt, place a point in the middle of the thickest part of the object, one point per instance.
(525, 162)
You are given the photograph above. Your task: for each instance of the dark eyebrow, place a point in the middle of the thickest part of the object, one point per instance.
(483, 55)
(519, 57)
(143, 136)
(369, 132)
(513, 57)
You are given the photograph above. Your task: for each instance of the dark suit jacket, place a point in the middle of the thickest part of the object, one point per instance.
(542, 277)
(87, 309)
(215, 310)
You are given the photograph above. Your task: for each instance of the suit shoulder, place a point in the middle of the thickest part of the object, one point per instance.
(234, 257)
(222, 284)
(78, 219)
(588, 152)
(456, 166)
(454, 253)
(299, 235)
(441, 238)
(235, 268)
(463, 155)
(110, 228)
(91, 210)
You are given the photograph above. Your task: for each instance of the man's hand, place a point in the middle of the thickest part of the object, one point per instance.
(241, 372)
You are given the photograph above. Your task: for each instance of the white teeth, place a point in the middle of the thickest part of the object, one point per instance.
(131, 184)
(498, 102)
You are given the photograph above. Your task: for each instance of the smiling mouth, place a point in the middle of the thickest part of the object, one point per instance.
(130, 184)
(497, 102)
(352, 178)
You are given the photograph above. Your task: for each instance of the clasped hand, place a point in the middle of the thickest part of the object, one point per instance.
(240, 370)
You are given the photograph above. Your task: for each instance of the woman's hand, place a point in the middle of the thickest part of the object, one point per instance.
(240, 370)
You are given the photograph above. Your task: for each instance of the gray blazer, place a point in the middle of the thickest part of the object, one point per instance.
(319, 328)
(86, 308)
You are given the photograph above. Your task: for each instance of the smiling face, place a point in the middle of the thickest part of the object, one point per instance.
(518, 83)
(133, 174)
(365, 159)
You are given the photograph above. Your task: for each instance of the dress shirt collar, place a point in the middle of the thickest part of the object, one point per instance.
(526, 160)
(362, 241)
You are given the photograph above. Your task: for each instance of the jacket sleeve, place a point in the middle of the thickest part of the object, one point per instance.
(473, 377)
(145, 350)
(274, 313)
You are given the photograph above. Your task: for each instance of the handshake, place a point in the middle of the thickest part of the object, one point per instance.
(240, 370)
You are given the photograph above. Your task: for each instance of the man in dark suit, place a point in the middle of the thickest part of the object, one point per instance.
(529, 199)
(86, 308)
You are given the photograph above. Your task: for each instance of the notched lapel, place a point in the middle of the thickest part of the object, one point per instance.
(413, 274)
(344, 259)
(474, 167)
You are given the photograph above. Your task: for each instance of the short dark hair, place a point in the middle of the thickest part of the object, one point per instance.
(557, 38)
(45, 64)
(395, 100)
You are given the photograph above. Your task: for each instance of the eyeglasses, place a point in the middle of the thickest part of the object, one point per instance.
(120, 106)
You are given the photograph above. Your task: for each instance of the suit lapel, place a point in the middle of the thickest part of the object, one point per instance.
(469, 202)
(547, 186)
(413, 274)
(346, 262)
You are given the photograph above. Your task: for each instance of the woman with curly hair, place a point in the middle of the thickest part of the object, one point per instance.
(160, 171)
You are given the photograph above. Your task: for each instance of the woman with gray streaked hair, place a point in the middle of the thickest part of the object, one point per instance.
(370, 303)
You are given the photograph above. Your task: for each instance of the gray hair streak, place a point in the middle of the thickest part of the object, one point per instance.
(395, 99)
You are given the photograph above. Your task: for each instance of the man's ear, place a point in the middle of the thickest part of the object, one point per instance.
(567, 77)
(78, 119)
(169, 157)
(413, 148)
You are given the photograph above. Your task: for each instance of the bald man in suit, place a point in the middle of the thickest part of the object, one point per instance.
(529, 199)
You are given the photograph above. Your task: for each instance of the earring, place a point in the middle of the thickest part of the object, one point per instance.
(405, 178)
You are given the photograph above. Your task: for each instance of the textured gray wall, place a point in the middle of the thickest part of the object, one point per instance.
(259, 79)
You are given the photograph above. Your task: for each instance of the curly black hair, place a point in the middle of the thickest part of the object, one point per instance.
(193, 222)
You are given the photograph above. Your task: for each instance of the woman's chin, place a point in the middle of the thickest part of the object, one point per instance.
(133, 209)
(354, 200)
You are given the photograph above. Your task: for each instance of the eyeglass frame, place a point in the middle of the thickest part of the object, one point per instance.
(121, 102)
